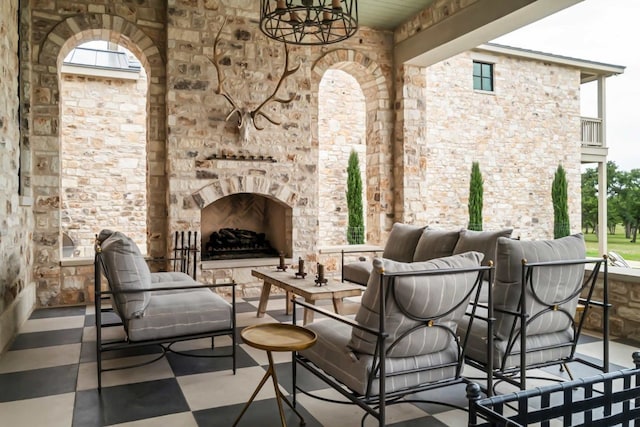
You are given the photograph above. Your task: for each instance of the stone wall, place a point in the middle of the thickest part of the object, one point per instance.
(16, 222)
(341, 128)
(519, 134)
(103, 162)
(406, 165)
(208, 158)
(53, 28)
(624, 297)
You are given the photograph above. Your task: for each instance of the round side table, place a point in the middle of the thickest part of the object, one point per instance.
(276, 337)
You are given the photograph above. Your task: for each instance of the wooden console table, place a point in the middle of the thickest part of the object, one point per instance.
(305, 288)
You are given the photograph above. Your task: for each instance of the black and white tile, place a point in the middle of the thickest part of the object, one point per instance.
(48, 378)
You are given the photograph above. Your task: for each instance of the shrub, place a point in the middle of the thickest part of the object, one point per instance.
(355, 227)
(560, 204)
(475, 198)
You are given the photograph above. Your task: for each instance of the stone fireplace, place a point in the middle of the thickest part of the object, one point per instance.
(245, 226)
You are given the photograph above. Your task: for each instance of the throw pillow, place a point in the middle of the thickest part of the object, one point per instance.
(402, 242)
(481, 241)
(550, 283)
(126, 269)
(435, 244)
(422, 296)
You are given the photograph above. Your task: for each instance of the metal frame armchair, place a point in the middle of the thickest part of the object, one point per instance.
(403, 339)
(532, 319)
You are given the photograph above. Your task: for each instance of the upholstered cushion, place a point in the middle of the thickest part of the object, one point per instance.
(402, 242)
(357, 272)
(177, 314)
(480, 241)
(550, 283)
(435, 244)
(420, 296)
(540, 348)
(332, 354)
(125, 269)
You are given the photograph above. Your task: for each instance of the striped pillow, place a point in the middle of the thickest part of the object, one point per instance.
(419, 296)
(551, 283)
(126, 269)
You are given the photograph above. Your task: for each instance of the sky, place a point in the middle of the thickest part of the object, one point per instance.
(603, 31)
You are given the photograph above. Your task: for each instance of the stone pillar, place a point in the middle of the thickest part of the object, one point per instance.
(410, 160)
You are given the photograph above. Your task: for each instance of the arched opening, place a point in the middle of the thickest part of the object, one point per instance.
(103, 145)
(341, 129)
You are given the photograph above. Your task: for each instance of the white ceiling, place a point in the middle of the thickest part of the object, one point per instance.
(388, 14)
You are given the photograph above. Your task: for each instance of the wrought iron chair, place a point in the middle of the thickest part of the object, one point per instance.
(531, 319)
(154, 308)
(404, 337)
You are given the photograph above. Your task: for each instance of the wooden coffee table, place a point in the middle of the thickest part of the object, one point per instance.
(305, 288)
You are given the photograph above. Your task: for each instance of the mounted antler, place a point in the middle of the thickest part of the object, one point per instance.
(220, 89)
(244, 115)
(286, 73)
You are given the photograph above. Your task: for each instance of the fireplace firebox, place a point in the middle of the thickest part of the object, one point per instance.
(244, 226)
(235, 243)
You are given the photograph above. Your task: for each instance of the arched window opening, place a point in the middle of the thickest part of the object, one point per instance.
(341, 128)
(103, 149)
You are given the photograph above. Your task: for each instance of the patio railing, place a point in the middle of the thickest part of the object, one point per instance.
(591, 132)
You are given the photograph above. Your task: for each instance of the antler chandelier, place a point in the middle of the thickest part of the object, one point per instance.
(309, 22)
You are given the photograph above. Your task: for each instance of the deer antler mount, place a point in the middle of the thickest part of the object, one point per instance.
(246, 116)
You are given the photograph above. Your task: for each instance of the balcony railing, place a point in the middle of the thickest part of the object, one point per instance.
(591, 132)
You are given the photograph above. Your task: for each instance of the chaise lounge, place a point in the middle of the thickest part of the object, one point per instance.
(154, 308)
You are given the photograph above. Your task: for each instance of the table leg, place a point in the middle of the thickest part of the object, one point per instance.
(255, 393)
(277, 390)
(308, 314)
(271, 372)
(337, 305)
(264, 298)
(289, 307)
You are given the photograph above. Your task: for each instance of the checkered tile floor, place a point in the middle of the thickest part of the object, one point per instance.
(48, 378)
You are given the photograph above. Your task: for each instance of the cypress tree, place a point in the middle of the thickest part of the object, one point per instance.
(560, 204)
(475, 198)
(355, 227)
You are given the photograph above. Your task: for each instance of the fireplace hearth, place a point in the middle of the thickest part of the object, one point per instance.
(236, 243)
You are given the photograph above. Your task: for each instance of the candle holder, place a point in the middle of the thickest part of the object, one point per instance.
(300, 274)
(320, 279)
(282, 266)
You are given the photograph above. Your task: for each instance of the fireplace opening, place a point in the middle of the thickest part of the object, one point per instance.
(245, 226)
(235, 243)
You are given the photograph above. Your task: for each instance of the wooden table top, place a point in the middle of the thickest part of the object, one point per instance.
(278, 337)
(307, 287)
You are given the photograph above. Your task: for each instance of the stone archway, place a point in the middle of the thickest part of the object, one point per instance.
(379, 125)
(44, 145)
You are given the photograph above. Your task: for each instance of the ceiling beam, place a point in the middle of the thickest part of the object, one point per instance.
(478, 23)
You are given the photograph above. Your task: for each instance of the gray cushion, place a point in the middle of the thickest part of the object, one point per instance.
(435, 244)
(171, 315)
(480, 241)
(551, 283)
(420, 296)
(332, 354)
(540, 348)
(402, 242)
(125, 269)
(357, 272)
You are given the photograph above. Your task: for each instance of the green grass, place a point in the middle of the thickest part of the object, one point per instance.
(615, 242)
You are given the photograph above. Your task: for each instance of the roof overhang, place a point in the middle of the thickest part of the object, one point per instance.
(476, 24)
(589, 70)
